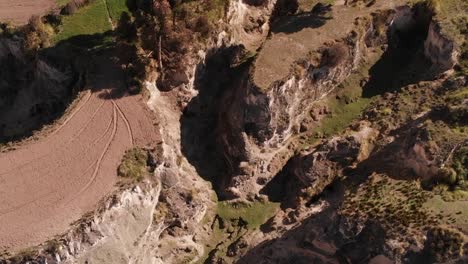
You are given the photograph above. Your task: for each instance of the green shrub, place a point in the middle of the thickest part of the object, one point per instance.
(460, 163)
(37, 34)
(133, 164)
(448, 175)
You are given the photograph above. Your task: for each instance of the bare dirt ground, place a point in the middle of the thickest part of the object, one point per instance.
(47, 184)
(19, 11)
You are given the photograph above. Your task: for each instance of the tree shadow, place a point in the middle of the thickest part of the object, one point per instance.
(296, 23)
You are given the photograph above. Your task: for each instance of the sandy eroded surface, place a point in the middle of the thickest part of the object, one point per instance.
(47, 184)
(19, 11)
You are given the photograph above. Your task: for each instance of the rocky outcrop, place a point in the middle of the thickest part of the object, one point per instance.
(266, 122)
(248, 24)
(258, 126)
(440, 49)
(123, 228)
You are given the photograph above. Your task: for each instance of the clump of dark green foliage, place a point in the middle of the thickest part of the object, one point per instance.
(133, 164)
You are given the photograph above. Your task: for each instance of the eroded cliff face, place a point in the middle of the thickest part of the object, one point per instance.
(441, 50)
(328, 184)
(258, 127)
(33, 90)
(268, 122)
(124, 227)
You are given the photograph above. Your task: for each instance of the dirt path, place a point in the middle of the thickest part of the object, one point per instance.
(19, 11)
(47, 184)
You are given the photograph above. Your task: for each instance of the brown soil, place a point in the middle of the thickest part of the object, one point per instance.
(19, 11)
(47, 184)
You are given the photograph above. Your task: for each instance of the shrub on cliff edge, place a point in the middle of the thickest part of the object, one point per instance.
(133, 164)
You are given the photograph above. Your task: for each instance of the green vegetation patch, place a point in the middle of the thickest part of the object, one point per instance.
(458, 95)
(348, 102)
(133, 164)
(444, 244)
(116, 8)
(451, 212)
(397, 205)
(89, 20)
(232, 222)
(255, 214)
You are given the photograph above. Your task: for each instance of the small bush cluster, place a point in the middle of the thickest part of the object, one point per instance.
(6, 29)
(73, 6)
(455, 174)
(133, 164)
(334, 55)
(444, 244)
(37, 34)
(397, 206)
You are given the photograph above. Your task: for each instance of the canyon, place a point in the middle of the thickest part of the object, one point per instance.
(273, 131)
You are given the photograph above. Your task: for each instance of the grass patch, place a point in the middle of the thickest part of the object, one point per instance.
(116, 8)
(343, 115)
(233, 221)
(452, 212)
(255, 214)
(89, 20)
(347, 104)
(458, 95)
(133, 164)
